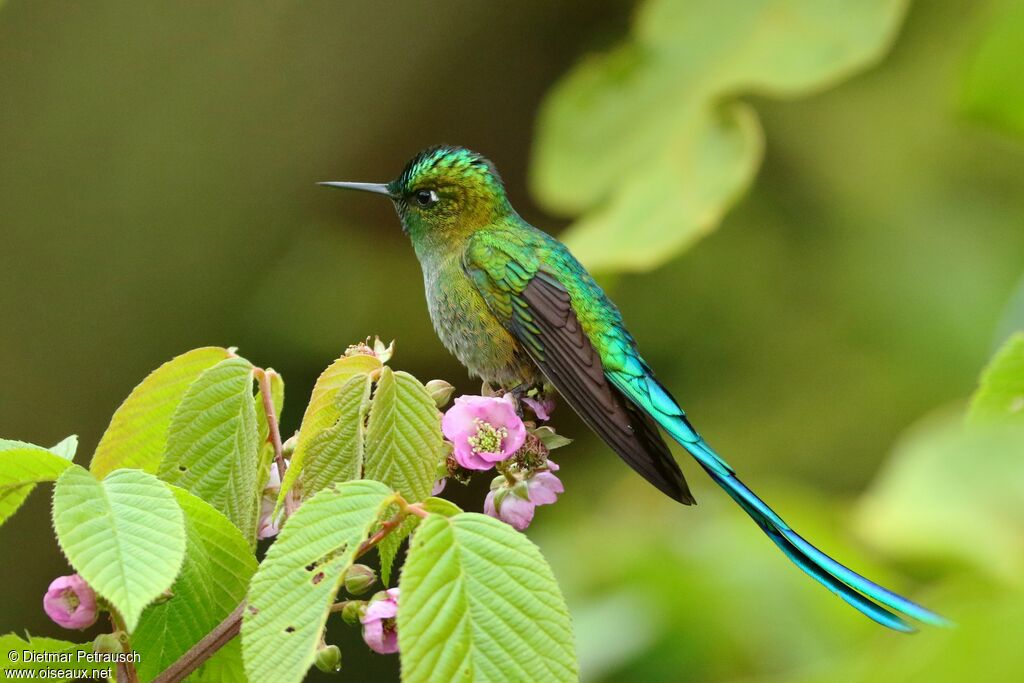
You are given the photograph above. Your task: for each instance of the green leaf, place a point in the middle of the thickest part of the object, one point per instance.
(993, 91)
(213, 580)
(66, 448)
(212, 444)
(336, 453)
(266, 454)
(291, 594)
(479, 602)
(64, 656)
(649, 141)
(403, 436)
(125, 535)
(1000, 397)
(952, 492)
(137, 434)
(389, 545)
(21, 468)
(324, 410)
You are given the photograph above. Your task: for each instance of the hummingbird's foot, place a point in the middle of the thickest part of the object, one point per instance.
(517, 393)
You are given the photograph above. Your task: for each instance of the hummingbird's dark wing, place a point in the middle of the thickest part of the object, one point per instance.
(537, 310)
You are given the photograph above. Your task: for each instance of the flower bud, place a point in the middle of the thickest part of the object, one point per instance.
(352, 612)
(328, 659)
(107, 643)
(441, 391)
(359, 578)
(71, 602)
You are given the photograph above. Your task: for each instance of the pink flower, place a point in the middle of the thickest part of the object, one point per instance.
(515, 504)
(269, 526)
(438, 486)
(379, 623)
(70, 602)
(483, 430)
(542, 408)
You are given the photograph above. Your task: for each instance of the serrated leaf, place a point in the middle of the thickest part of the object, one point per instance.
(323, 410)
(137, 434)
(125, 535)
(266, 454)
(479, 602)
(403, 436)
(336, 453)
(389, 545)
(21, 468)
(213, 580)
(52, 647)
(649, 141)
(212, 444)
(291, 594)
(1000, 396)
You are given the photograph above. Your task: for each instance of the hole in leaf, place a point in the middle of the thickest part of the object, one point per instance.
(311, 566)
(182, 468)
(253, 610)
(318, 578)
(290, 629)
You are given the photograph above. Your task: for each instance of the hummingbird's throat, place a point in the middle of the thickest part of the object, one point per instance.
(488, 438)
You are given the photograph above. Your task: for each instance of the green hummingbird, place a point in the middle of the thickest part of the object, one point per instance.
(517, 309)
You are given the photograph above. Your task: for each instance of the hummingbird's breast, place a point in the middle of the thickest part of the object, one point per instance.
(470, 331)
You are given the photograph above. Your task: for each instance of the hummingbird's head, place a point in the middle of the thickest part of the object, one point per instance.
(444, 194)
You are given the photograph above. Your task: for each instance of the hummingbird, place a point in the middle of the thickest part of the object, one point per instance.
(518, 310)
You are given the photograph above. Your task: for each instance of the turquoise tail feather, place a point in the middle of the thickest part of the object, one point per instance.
(864, 595)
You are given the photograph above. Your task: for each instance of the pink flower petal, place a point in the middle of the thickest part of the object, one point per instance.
(544, 488)
(71, 602)
(541, 408)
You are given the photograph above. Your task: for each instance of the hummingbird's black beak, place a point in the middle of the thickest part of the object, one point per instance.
(376, 188)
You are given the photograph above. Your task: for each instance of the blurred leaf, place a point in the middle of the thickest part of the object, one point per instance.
(403, 436)
(212, 443)
(213, 580)
(336, 453)
(125, 535)
(323, 410)
(9, 642)
(648, 140)
(21, 468)
(1000, 396)
(993, 90)
(291, 594)
(952, 492)
(137, 434)
(479, 602)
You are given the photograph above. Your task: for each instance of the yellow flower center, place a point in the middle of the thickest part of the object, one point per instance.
(488, 438)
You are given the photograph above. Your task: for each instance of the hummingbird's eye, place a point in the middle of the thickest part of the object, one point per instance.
(426, 198)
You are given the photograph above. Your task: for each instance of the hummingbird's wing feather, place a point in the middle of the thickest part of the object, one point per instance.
(537, 311)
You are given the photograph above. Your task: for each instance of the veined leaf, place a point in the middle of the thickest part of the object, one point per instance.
(10, 642)
(291, 594)
(212, 445)
(649, 141)
(479, 602)
(22, 466)
(125, 535)
(336, 453)
(323, 410)
(266, 455)
(137, 434)
(1000, 397)
(389, 545)
(213, 580)
(403, 436)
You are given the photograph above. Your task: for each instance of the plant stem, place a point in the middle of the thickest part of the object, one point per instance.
(125, 670)
(204, 649)
(274, 433)
(222, 634)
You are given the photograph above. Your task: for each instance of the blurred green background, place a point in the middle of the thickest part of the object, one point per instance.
(157, 170)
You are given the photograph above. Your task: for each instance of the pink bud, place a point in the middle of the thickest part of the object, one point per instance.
(70, 602)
